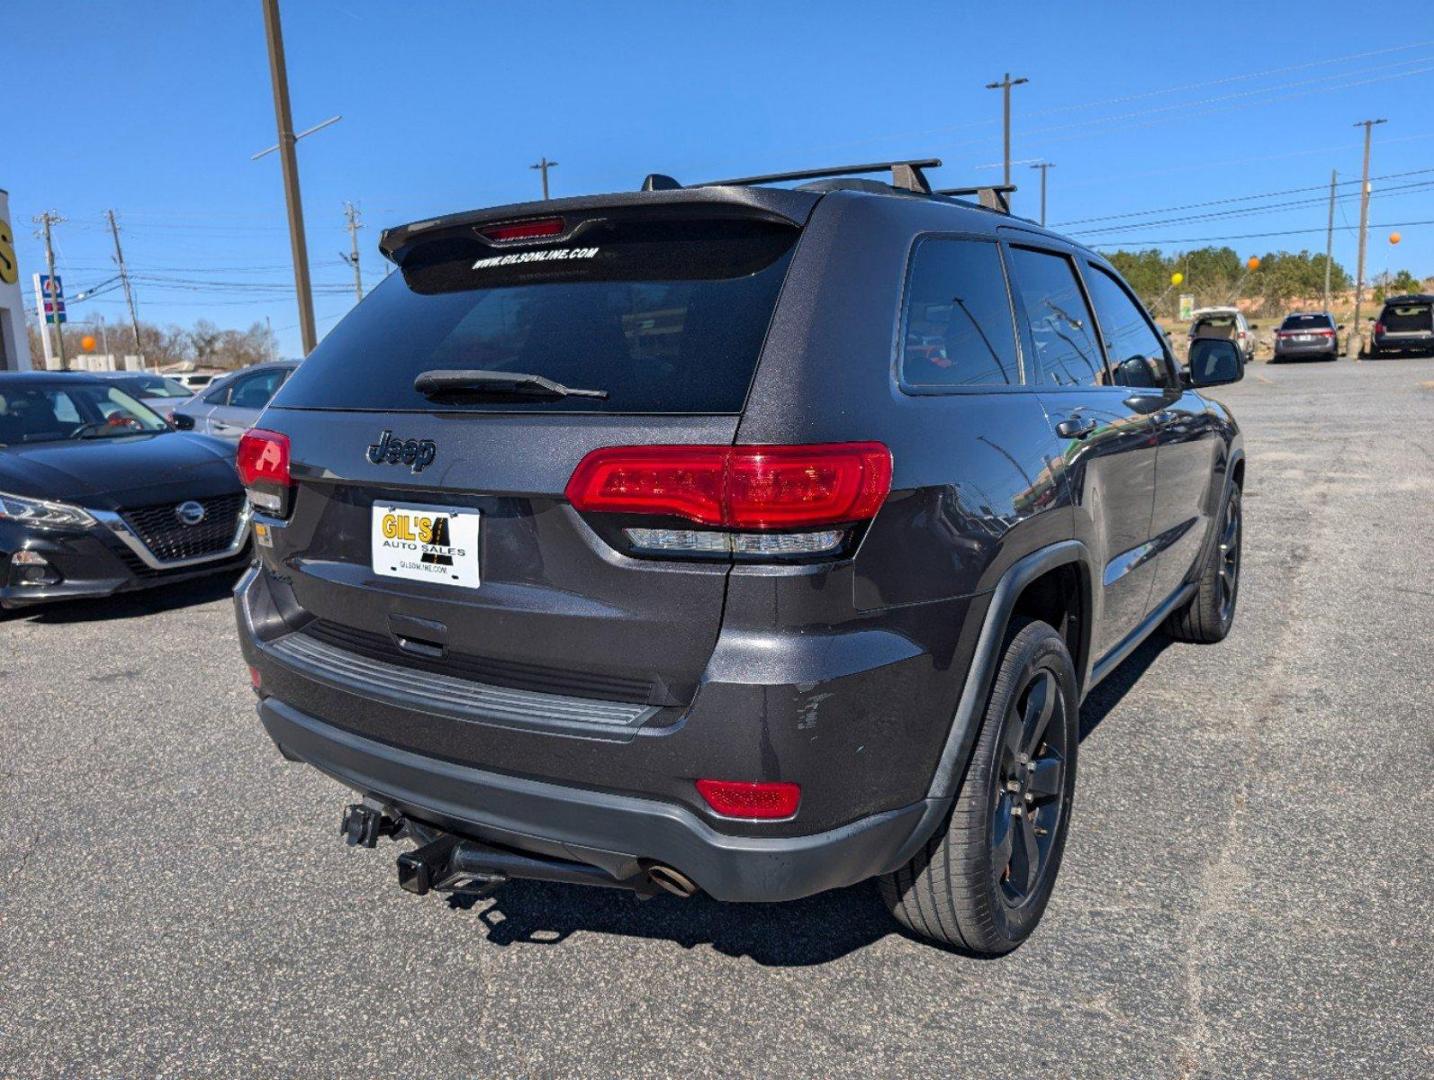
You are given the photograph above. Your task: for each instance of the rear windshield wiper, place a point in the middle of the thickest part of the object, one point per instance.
(444, 383)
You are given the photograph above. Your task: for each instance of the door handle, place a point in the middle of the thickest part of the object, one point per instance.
(1077, 427)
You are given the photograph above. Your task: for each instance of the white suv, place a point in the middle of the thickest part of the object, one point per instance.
(1225, 322)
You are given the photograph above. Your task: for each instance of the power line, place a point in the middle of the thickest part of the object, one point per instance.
(1232, 199)
(1273, 208)
(1117, 246)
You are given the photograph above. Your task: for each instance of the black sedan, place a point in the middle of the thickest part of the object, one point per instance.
(98, 495)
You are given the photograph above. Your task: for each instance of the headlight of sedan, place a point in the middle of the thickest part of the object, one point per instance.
(43, 514)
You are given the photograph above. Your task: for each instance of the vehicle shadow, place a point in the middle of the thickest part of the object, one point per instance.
(1105, 697)
(799, 933)
(133, 605)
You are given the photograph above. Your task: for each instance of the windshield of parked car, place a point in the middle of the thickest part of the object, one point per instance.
(154, 386)
(1306, 322)
(54, 412)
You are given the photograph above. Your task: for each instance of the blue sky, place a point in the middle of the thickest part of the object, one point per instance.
(153, 107)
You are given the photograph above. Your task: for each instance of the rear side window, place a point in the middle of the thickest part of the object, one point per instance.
(1135, 351)
(958, 328)
(666, 316)
(1307, 322)
(1062, 330)
(255, 391)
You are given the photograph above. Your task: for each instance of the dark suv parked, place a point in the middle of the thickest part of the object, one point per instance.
(732, 537)
(1405, 325)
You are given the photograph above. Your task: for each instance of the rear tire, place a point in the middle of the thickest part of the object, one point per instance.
(982, 882)
(1210, 613)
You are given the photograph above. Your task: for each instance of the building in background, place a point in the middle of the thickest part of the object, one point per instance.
(14, 346)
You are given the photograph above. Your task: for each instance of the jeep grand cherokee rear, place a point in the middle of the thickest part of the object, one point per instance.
(607, 543)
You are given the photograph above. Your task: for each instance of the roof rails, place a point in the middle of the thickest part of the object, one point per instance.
(906, 175)
(991, 196)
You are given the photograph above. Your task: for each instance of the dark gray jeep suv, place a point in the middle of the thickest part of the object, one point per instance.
(735, 537)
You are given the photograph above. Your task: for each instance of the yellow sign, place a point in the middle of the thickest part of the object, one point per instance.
(9, 268)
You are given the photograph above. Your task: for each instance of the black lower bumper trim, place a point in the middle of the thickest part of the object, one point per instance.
(618, 834)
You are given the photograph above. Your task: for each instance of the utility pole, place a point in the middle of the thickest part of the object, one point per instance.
(1043, 166)
(290, 164)
(46, 220)
(1329, 236)
(352, 258)
(543, 166)
(1358, 334)
(124, 279)
(1005, 87)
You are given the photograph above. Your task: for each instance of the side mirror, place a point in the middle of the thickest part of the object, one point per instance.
(1215, 362)
(1254, 326)
(1340, 326)
(182, 422)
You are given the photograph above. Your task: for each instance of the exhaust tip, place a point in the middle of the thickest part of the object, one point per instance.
(670, 880)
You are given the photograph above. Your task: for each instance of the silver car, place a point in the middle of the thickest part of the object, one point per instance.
(230, 405)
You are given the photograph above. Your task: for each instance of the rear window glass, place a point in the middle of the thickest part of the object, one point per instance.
(959, 330)
(667, 316)
(1306, 322)
(1414, 316)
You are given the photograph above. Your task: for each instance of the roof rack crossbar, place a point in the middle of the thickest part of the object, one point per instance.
(991, 196)
(906, 175)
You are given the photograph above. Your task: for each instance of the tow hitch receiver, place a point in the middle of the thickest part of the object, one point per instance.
(433, 866)
(362, 825)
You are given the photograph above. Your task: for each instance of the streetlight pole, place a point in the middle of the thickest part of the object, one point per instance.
(1005, 87)
(1043, 166)
(543, 165)
(1358, 334)
(273, 32)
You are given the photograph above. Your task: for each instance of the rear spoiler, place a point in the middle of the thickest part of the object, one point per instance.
(791, 207)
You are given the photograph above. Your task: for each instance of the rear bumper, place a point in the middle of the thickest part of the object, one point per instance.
(1328, 347)
(1413, 343)
(619, 834)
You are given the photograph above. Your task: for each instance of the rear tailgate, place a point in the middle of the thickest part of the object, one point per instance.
(664, 308)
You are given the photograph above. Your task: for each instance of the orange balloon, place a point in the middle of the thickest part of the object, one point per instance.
(1254, 263)
(87, 343)
(1394, 238)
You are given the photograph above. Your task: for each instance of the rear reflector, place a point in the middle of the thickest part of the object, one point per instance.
(737, 487)
(536, 229)
(702, 542)
(764, 800)
(255, 679)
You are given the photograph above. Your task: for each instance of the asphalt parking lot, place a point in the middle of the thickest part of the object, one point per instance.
(1245, 893)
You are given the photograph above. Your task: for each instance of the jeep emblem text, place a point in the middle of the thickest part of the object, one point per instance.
(417, 453)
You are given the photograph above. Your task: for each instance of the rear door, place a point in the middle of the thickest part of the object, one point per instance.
(1186, 433)
(1108, 436)
(665, 313)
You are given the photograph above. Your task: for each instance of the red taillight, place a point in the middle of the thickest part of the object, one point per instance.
(523, 230)
(737, 487)
(263, 458)
(760, 800)
(263, 464)
(1325, 333)
(1379, 328)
